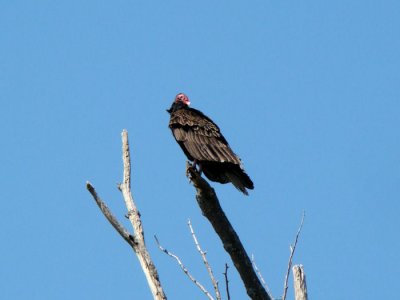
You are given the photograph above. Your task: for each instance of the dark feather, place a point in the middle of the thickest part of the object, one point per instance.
(201, 140)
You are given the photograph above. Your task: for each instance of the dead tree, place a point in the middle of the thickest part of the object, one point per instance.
(211, 209)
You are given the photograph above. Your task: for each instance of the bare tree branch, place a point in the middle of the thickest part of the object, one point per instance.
(227, 281)
(125, 188)
(109, 216)
(136, 241)
(253, 261)
(134, 217)
(208, 267)
(211, 209)
(292, 250)
(184, 269)
(300, 286)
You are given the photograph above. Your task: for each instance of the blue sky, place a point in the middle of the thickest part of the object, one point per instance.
(306, 92)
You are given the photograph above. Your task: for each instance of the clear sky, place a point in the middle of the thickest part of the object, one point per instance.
(306, 92)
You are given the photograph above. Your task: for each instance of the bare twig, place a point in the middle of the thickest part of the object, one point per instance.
(211, 209)
(184, 269)
(227, 281)
(292, 250)
(260, 276)
(208, 267)
(300, 286)
(109, 216)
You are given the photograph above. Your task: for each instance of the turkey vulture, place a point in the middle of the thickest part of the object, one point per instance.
(203, 143)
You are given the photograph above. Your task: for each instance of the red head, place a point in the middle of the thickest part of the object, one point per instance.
(181, 97)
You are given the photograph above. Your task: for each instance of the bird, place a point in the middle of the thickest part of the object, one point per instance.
(203, 144)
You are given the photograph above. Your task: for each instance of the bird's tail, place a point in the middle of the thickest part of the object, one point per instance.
(240, 180)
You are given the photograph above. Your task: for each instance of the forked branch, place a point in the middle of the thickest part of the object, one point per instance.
(110, 217)
(136, 241)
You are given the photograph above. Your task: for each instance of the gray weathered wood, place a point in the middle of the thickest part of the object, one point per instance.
(300, 286)
(136, 241)
(134, 217)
